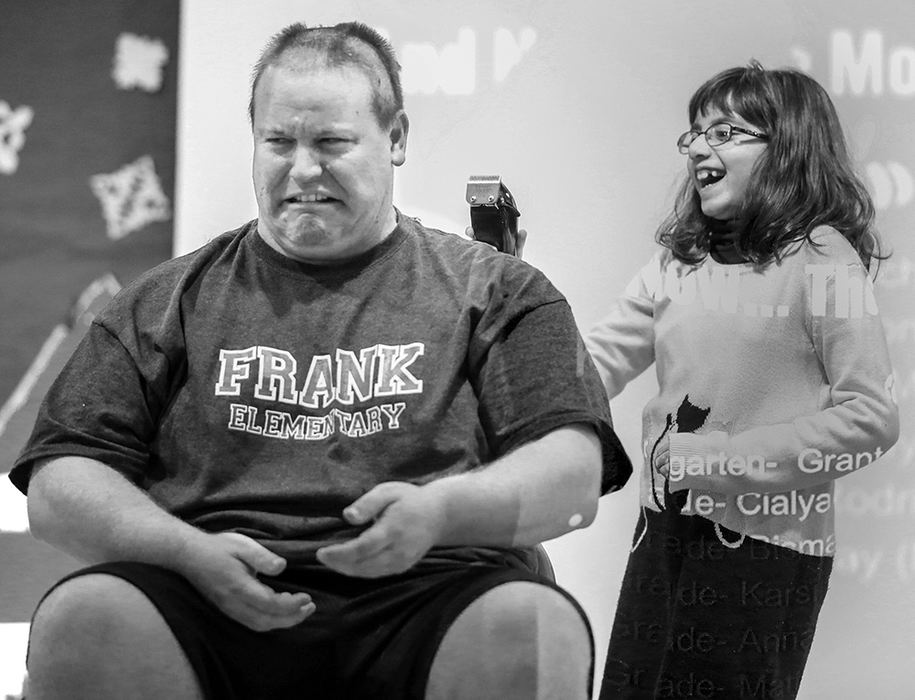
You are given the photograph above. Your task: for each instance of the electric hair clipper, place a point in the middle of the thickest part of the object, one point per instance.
(493, 212)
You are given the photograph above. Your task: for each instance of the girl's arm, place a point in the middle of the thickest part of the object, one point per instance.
(622, 343)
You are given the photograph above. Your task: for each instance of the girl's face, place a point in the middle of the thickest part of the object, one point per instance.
(721, 173)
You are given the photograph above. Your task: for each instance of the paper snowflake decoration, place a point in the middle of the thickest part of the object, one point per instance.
(131, 197)
(138, 62)
(13, 123)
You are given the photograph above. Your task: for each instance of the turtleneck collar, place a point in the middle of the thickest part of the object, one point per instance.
(723, 237)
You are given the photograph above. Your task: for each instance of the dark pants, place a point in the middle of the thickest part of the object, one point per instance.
(698, 619)
(368, 638)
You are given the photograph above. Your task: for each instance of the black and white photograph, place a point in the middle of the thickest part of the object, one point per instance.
(492, 350)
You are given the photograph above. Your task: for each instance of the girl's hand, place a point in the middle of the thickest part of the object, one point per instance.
(519, 240)
(662, 457)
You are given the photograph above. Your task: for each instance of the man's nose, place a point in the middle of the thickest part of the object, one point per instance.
(306, 164)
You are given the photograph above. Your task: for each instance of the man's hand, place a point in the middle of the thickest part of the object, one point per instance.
(407, 522)
(224, 571)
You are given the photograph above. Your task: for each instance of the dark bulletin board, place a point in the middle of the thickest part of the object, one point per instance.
(88, 95)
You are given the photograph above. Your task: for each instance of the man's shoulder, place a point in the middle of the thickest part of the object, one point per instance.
(434, 238)
(462, 253)
(199, 258)
(159, 285)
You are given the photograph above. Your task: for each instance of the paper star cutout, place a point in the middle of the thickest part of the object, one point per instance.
(13, 123)
(138, 62)
(131, 197)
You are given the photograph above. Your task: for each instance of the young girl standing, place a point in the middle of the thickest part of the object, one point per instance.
(774, 380)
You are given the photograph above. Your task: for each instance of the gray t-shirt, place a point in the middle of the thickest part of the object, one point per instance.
(249, 392)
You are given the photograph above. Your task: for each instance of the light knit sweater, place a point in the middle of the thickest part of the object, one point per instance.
(774, 381)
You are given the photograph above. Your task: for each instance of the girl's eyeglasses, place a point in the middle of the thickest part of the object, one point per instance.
(715, 135)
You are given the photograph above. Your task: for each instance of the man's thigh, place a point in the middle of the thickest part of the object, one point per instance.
(225, 659)
(368, 638)
(400, 633)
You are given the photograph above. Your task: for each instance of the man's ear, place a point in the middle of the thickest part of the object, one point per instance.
(400, 126)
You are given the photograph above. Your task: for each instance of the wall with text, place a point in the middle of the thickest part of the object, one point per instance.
(578, 107)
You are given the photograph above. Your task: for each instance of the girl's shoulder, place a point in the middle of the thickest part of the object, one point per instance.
(824, 245)
(662, 259)
(659, 264)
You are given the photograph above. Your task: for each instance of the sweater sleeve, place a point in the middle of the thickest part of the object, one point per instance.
(859, 421)
(622, 343)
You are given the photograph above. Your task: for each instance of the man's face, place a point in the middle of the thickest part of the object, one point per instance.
(323, 166)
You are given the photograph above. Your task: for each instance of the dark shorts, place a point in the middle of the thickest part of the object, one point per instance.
(698, 619)
(368, 638)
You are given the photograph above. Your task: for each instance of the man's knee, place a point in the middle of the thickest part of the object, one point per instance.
(524, 637)
(99, 636)
(532, 615)
(86, 613)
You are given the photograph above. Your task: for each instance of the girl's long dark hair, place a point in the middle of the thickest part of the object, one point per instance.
(804, 178)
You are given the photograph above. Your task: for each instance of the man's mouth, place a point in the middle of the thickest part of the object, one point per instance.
(708, 177)
(308, 199)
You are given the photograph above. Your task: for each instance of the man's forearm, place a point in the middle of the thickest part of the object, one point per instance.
(92, 512)
(541, 490)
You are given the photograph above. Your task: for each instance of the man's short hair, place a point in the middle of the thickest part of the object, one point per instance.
(345, 44)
